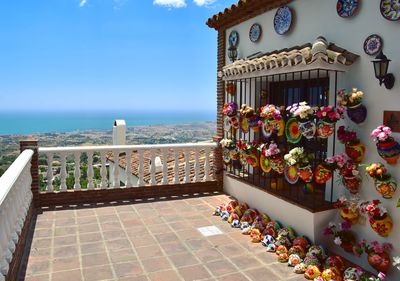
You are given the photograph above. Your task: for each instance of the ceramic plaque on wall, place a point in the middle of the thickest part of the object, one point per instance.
(347, 8)
(283, 20)
(373, 44)
(390, 9)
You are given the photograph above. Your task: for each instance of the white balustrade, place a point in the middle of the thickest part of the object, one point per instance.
(15, 199)
(134, 165)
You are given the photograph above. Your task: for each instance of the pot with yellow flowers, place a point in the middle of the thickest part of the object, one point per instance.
(356, 111)
(384, 183)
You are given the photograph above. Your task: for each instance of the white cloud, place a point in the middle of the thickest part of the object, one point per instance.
(204, 2)
(171, 3)
(82, 3)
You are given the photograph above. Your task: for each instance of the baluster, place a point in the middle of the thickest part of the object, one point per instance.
(116, 169)
(63, 172)
(187, 165)
(140, 170)
(128, 168)
(207, 164)
(196, 165)
(90, 172)
(176, 166)
(49, 174)
(103, 170)
(165, 166)
(77, 172)
(152, 168)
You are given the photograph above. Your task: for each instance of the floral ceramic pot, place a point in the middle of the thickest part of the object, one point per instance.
(379, 261)
(277, 163)
(298, 250)
(226, 157)
(356, 151)
(352, 183)
(312, 272)
(351, 274)
(234, 121)
(252, 160)
(386, 187)
(305, 173)
(322, 173)
(389, 150)
(382, 225)
(331, 274)
(349, 214)
(279, 126)
(357, 113)
(307, 129)
(253, 122)
(301, 241)
(325, 129)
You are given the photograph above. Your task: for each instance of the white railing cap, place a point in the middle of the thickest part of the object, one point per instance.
(10, 176)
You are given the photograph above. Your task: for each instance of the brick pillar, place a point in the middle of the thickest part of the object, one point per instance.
(218, 160)
(33, 144)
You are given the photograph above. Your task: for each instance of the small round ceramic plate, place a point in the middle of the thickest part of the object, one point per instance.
(265, 164)
(283, 20)
(291, 175)
(347, 8)
(244, 125)
(292, 131)
(373, 45)
(390, 9)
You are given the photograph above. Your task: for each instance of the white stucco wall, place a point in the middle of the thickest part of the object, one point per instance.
(315, 18)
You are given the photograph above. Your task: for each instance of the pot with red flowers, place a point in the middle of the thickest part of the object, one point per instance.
(274, 154)
(379, 218)
(328, 116)
(388, 148)
(342, 235)
(354, 148)
(248, 152)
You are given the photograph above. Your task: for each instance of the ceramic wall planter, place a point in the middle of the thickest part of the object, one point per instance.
(348, 240)
(389, 150)
(253, 122)
(227, 157)
(252, 160)
(277, 163)
(307, 129)
(322, 173)
(305, 173)
(325, 129)
(380, 262)
(382, 225)
(386, 187)
(356, 151)
(349, 214)
(357, 113)
(352, 183)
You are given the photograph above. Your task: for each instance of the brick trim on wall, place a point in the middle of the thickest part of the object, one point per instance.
(33, 144)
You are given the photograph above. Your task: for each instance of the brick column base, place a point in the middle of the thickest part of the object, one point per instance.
(33, 144)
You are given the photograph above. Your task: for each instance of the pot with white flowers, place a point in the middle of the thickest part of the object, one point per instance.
(298, 156)
(356, 111)
(305, 115)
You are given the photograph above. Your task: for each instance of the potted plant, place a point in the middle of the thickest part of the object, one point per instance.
(379, 218)
(272, 120)
(297, 156)
(349, 173)
(248, 152)
(378, 256)
(342, 235)
(273, 153)
(384, 183)
(305, 115)
(328, 116)
(388, 147)
(252, 118)
(228, 146)
(349, 209)
(356, 111)
(354, 148)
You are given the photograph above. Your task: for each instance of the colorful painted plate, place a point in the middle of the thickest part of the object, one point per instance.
(291, 174)
(244, 125)
(266, 129)
(347, 8)
(390, 9)
(373, 45)
(265, 164)
(283, 20)
(292, 131)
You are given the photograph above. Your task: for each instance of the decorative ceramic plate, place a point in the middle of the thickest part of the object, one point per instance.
(244, 125)
(290, 173)
(373, 45)
(266, 129)
(347, 8)
(227, 124)
(292, 131)
(265, 164)
(283, 20)
(390, 9)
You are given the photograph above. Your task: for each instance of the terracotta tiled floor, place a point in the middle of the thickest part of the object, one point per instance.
(155, 240)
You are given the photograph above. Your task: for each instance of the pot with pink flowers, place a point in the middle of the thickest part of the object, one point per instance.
(379, 218)
(378, 256)
(275, 157)
(305, 115)
(328, 116)
(388, 148)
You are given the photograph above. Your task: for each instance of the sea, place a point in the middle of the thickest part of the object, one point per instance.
(31, 122)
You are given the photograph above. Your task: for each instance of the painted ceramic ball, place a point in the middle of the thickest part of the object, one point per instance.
(351, 274)
(312, 272)
(318, 251)
(283, 257)
(272, 228)
(331, 274)
(294, 259)
(298, 250)
(281, 249)
(283, 240)
(335, 261)
(300, 268)
(268, 239)
(301, 241)
(288, 232)
(244, 225)
(311, 260)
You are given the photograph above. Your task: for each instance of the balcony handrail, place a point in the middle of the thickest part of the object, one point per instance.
(11, 175)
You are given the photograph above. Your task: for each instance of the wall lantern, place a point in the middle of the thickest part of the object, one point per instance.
(381, 65)
(232, 53)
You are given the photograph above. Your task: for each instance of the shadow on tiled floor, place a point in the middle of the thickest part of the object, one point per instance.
(156, 240)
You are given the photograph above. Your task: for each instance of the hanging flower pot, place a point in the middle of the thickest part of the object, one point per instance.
(234, 121)
(277, 163)
(322, 173)
(356, 151)
(307, 128)
(379, 261)
(252, 159)
(382, 225)
(389, 150)
(357, 113)
(305, 173)
(349, 214)
(226, 157)
(253, 122)
(386, 187)
(325, 129)
(348, 240)
(279, 126)
(352, 183)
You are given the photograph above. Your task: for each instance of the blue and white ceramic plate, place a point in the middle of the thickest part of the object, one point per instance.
(347, 8)
(283, 20)
(373, 45)
(390, 9)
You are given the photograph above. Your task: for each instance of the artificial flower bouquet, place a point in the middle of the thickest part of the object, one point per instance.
(382, 134)
(270, 112)
(273, 153)
(350, 99)
(248, 151)
(383, 181)
(349, 209)
(227, 143)
(230, 109)
(297, 156)
(302, 111)
(330, 114)
(342, 235)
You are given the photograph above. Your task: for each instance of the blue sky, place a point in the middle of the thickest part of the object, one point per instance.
(108, 54)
